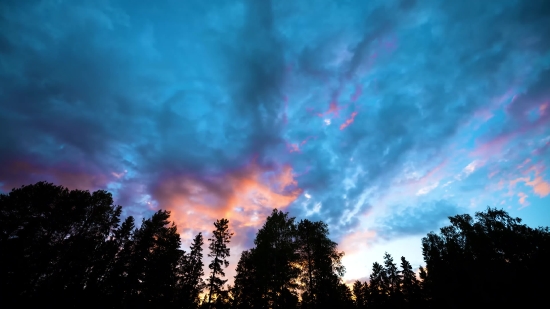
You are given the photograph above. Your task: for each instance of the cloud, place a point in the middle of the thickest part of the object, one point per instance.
(416, 220)
(540, 187)
(348, 121)
(427, 189)
(245, 196)
(523, 199)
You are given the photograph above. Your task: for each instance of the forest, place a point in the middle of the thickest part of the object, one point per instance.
(72, 249)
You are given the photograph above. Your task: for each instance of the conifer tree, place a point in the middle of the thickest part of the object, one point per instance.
(191, 282)
(393, 280)
(378, 288)
(153, 266)
(359, 293)
(219, 252)
(410, 287)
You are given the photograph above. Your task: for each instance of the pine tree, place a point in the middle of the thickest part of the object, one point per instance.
(410, 287)
(378, 288)
(393, 277)
(344, 298)
(359, 294)
(191, 282)
(152, 273)
(114, 282)
(219, 251)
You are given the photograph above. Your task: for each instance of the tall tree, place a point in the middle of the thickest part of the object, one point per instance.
(114, 282)
(320, 264)
(410, 287)
(219, 252)
(246, 290)
(191, 282)
(152, 273)
(359, 293)
(378, 288)
(393, 277)
(276, 261)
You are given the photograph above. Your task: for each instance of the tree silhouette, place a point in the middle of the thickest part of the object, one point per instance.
(219, 251)
(114, 282)
(49, 242)
(247, 290)
(492, 259)
(410, 288)
(277, 260)
(66, 248)
(320, 264)
(378, 288)
(153, 269)
(393, 281)
(359, 293)
(191, 282)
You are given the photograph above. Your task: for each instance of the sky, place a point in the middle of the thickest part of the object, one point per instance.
(381, 117)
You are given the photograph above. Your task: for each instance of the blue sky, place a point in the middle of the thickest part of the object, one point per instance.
(381, 118)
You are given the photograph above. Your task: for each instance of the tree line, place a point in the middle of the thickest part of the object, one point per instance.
(70, 248)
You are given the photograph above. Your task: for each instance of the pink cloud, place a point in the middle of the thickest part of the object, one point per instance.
(522, 165)
(493, 174)
(541, 187)
(522, 199)
(521, 179)
(520, 125)
(543, 108)
(292, 147)
(332, 109)
(348, 121)
(494, 146)
(357, 241)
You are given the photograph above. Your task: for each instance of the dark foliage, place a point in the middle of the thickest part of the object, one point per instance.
(65, 248)
(493, 258)
(68, 249)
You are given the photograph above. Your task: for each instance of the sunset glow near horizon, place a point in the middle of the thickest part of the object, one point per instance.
(381, 118)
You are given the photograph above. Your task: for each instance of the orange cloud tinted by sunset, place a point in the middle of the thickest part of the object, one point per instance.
(244, 196)
(541, 187)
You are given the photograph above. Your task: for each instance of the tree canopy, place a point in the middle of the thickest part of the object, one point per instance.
(71, 248)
